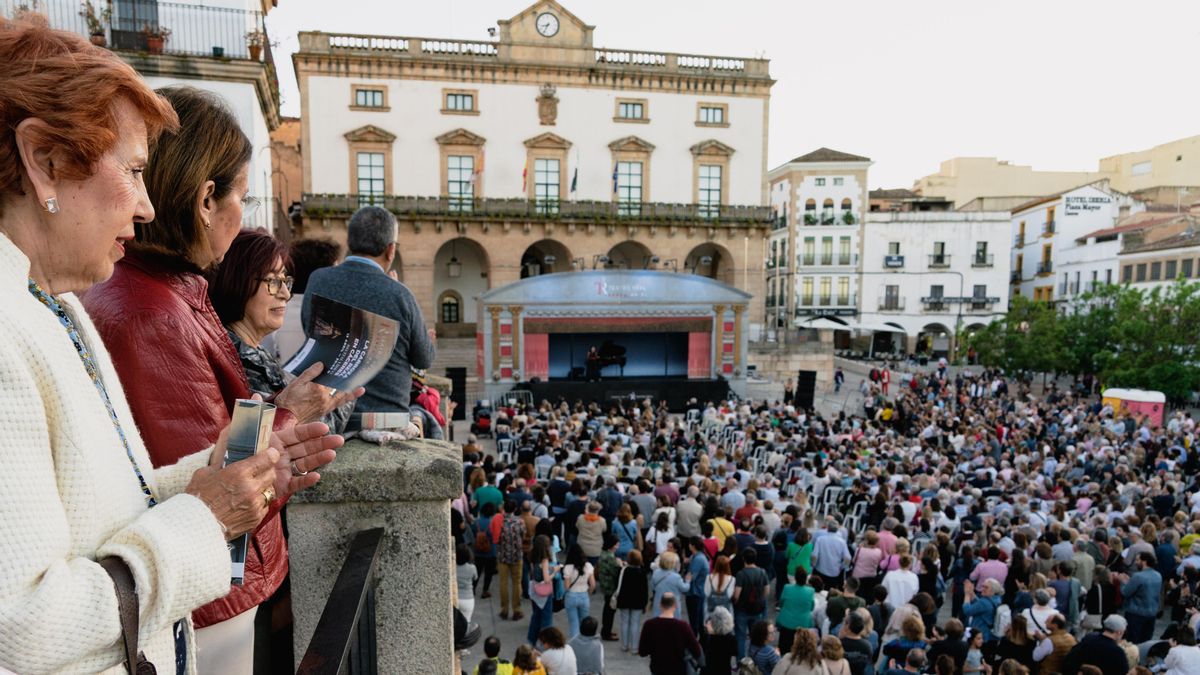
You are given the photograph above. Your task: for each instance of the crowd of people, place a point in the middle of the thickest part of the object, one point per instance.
(960, 523)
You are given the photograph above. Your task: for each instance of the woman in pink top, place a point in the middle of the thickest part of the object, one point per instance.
(992, 568)
(891, 561)
(865, 565)
(887, 540)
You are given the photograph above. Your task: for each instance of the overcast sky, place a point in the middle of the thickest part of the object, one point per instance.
(1052, 83)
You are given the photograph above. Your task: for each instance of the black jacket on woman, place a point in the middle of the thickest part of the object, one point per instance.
(634, 591)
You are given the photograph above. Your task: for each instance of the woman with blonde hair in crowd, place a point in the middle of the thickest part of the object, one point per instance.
(85, 506)
(804, 658)
(834, 656)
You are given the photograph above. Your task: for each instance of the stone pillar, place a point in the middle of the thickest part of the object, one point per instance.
(404, 488)
(738, 313)
(495, 360)
(718, 360)
(515, 311)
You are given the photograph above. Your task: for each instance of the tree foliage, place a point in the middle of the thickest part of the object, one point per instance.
(1127, 336)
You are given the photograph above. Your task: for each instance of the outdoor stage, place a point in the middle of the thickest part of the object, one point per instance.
(666, 335)
(675, 391)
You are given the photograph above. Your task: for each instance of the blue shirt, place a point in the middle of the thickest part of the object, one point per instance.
(698, 568)
(1142, 591)
(830, 555)
(980, 613)
(362, 259)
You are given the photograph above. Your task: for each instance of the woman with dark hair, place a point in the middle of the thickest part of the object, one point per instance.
(541, 587)
(557, 656)
(764, 655)
(796, 609)
(180, 370)
(580, 583)
(466, 575)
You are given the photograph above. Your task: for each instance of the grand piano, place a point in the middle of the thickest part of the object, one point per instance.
(609, 354)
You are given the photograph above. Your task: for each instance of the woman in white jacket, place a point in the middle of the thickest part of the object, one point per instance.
(77, 484)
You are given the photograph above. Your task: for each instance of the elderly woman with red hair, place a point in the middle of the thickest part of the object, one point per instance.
(84, 510)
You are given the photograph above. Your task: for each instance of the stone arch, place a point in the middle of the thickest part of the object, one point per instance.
(546, 256)
(711, 260)
(470, 259)
(629, 255)
(449, 307)
(934, 339)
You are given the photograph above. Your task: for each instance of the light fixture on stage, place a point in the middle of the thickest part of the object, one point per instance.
(702, 261)
(453, 268)
(652, 261)
(600, 259)
(549, 261)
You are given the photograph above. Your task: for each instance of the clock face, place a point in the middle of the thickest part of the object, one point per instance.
(547, 24)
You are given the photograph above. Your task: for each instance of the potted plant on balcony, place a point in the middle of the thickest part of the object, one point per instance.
(255, 40)
(848, 217)
(156, 37)
(810, 219)
(96, 21)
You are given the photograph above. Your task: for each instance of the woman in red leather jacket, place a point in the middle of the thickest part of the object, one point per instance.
(178, 366)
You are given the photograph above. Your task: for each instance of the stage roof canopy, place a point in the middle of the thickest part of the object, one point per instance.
(635, 291)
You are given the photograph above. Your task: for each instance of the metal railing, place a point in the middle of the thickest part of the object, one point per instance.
(343, 205)
(804, 300)
(1048, 228)
(190, 30)
(1018, 240)
(1014, 277)
(984, 260)
(1045, 267)
(807, 259)
(939, 260)
(934, 303)
(827, 259)
(979, 305)
(891, 304)
(344, 640)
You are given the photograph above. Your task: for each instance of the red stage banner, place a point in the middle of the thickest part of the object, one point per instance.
(700, 355)
(537, 356)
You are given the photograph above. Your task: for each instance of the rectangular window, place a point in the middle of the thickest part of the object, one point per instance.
(1108, 277)
(712, 114)
(891, 297)
(631, 110)
(1155, 271)
(1141, 272)
(368, 98)
(370, 178)
(710, 190)
(460, 102)
(1127, 274)
(893, 248)
(1170, 273)
(546, 186)
(838, 181)
(629, 188)
(810, 248)
(806, 292)
(820, 182)
(937, 291)
(981, 252)
(1187, 269)
(1142, 168)
(460, 183)
(844, 251)
(826, 250)
(843, 291)
(826, 286)
(980, 291)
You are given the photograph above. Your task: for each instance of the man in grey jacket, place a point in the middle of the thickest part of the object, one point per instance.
(362, 281)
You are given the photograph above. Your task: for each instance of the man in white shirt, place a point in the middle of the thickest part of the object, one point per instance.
(901, 584)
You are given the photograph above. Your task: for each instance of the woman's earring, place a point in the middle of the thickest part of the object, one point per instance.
(52, 205)
(207, 225)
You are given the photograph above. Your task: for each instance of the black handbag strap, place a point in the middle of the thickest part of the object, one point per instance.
(127, 607)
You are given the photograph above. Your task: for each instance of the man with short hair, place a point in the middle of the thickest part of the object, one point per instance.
(687, 514)
(914, 662)
(1102, 650)
(509, 535)
(1053, 648)
(749, 598)
(665, 638)
(362, 281)
(1141, 592)
(491, 652)
(830, 555)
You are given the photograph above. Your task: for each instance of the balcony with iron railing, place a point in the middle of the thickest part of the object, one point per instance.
(806, 259)
(891, 304)
(934, 303)
(1045, 267)
(1048, 228)
(982, 260)
(155, 27)
(939, 261)
(1018, 241)
(344, 205)
(980, 304)
(1014, 277)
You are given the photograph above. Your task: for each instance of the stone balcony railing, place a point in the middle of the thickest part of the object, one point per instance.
(343, 205)
(404, 490)
(403, 47)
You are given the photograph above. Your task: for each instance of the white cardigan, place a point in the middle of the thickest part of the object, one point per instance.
(68, 496)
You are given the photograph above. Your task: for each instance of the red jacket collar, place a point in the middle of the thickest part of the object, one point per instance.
(181, 276)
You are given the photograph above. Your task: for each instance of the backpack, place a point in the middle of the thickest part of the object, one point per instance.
(483, 543)
(751, 598)
(717, 599)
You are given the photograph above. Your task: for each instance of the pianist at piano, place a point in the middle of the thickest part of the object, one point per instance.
(616, 332)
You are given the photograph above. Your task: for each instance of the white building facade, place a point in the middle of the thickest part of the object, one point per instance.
(820, 200)
(1044, 230)
(934, 275)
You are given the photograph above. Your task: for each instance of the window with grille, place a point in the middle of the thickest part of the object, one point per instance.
(629, 188)
(546, 185)
(631, 111)
(368, 98)
(370, 178)
(712, 115)
(460, 183)
(710, 190)
(460, 102)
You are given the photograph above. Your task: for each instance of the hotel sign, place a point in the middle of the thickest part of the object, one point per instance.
(621, 291)
(1078, 205)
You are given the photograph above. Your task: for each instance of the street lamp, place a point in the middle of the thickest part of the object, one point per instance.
(454, 267)
(651, 261)
(672, 263)
(600, 259)
(577, 263)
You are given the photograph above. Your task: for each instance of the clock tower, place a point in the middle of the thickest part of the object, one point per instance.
(546, 31)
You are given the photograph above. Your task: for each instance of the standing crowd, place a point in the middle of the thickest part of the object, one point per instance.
(960, 524)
